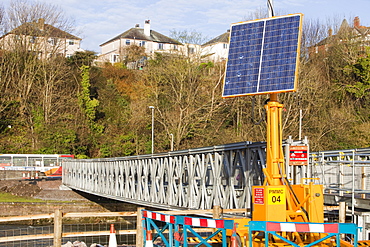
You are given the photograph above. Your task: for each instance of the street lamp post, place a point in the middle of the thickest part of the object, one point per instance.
(171, 142)
(152, 107)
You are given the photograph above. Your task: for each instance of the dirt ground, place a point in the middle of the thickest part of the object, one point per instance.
(40, 189)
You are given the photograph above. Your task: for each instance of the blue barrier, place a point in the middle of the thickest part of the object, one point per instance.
(178, 228)
(189, 223)
(149, 224)
(330, 230)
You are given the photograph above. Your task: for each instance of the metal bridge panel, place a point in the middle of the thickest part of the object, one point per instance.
(193, 179)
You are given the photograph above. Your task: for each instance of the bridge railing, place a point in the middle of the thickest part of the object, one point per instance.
(343, 171)
(189, 179)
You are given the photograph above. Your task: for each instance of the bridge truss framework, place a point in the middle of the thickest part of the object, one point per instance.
(188, 179)
(220, 175)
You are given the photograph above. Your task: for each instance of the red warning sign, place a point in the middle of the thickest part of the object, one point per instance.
(298, 155)
(258, 195)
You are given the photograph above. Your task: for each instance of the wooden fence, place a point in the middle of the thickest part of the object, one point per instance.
(58, 216)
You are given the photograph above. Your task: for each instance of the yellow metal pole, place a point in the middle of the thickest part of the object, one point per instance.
(270, 199)
(274, 159)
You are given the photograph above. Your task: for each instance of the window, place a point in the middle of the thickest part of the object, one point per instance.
(115, 58)
(142, 43)
(175, 47)
(128, 42)
(52, 41)
(160, 46)
(191, 50)
(32, 39)
(71, 42)
(225, 46)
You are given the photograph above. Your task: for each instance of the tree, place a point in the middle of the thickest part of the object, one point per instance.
(133, 56)
(329, 114)
(359, 86)
(87, 104)
(188, 37)
(81, 58)
(25, 11)
(185, 94)
(191, 40)
(36, 89)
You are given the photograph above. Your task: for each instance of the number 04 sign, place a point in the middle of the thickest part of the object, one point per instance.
(275, 196)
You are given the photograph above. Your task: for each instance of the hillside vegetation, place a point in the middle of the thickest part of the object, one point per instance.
(60, 105)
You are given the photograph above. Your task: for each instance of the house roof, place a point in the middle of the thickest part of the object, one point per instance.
(41, 30)
(138, 33)
(344, 30)
(223, 38)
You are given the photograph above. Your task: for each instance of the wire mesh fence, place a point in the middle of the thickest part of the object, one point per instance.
(88, 233)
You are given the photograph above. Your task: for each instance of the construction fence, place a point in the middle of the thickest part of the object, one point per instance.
(128, 231)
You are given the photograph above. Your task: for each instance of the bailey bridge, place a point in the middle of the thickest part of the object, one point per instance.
(220, 175)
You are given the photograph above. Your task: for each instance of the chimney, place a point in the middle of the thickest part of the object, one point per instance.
(356, 22)
(330, 32)
(137, 25)
(147, 28)
(41, 24)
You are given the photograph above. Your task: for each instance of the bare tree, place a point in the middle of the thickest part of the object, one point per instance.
(35, 85)
(21, 11)
(188, 37)
(191, 40)
(185, 95)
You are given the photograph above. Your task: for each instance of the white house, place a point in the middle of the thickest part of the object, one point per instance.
(151, 40)
(43, 39)
(216, 49)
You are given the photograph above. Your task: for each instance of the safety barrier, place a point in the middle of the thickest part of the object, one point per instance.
(330, 230)
(178, 228)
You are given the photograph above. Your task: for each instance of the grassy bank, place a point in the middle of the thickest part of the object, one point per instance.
(8, 197)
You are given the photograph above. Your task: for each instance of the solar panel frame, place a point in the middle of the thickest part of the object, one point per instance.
(263, 56)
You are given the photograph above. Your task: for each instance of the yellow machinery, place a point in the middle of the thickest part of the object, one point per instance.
(263, 59)
(277, 199)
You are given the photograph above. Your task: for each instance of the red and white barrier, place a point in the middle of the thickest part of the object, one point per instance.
(302, 227)
(204, 222)
(161, 217)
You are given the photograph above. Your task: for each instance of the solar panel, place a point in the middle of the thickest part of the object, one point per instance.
(263, 56)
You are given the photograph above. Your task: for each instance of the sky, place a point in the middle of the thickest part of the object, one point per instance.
(97, 21)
